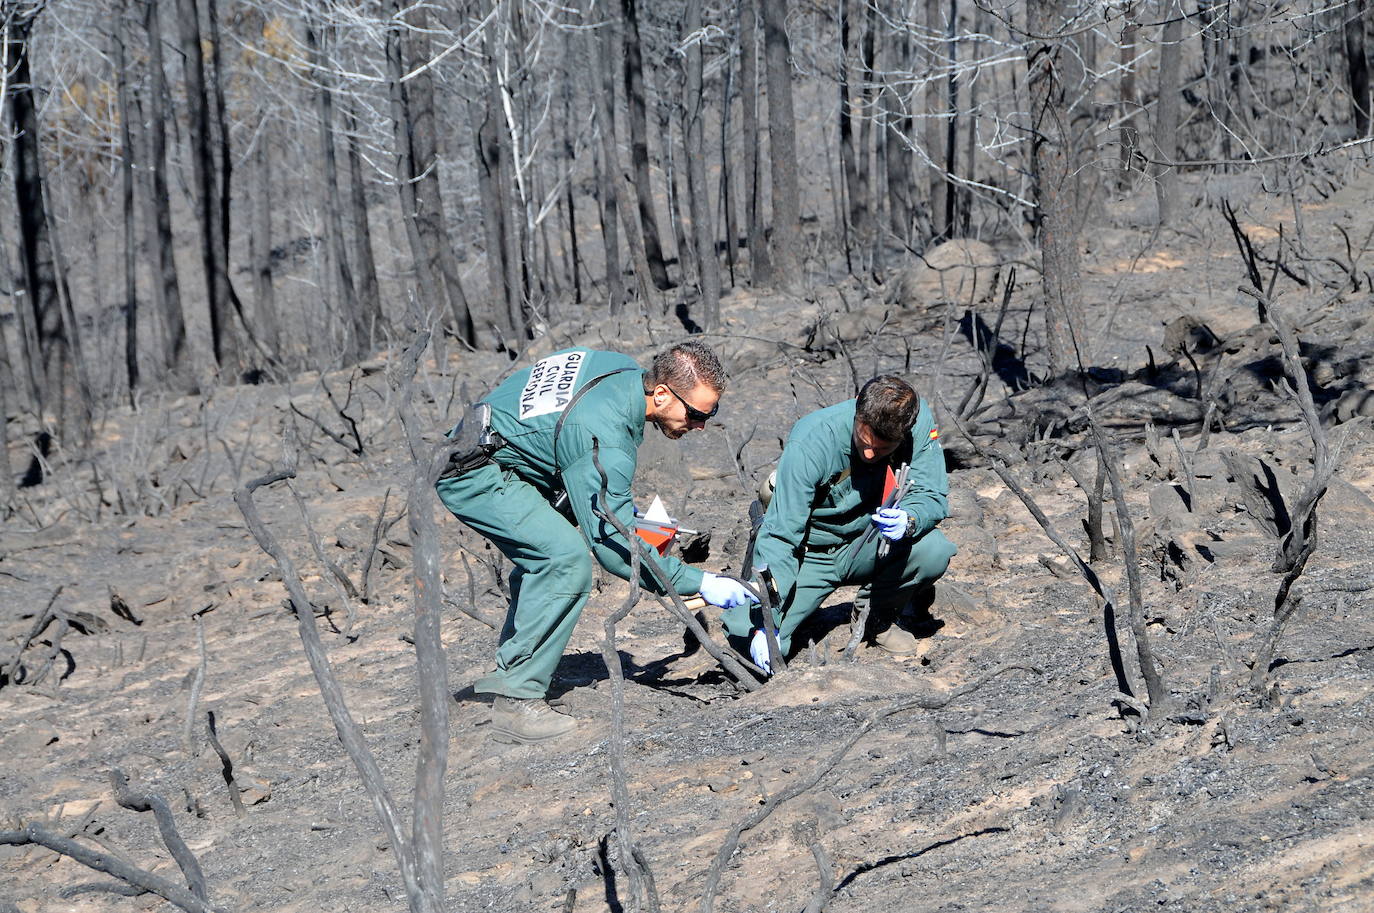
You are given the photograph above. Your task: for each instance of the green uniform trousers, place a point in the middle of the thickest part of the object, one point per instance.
(888, 583)
(549, 585)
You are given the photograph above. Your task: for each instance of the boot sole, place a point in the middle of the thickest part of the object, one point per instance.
(511, 737)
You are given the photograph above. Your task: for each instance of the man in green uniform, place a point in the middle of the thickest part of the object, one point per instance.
(549, 415)
(826, 525)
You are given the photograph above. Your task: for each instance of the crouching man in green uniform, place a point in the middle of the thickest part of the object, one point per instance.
(548, 416)
(825, 523)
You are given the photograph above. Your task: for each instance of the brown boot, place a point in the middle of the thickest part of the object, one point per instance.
(897, 640)
(527, 720)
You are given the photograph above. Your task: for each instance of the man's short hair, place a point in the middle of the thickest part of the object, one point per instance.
(888, 406)
(683, 365)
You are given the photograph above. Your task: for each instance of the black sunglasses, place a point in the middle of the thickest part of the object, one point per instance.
(693, 413)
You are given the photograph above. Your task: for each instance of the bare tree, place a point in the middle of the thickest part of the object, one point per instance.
(760, 271)
(639, 142)
(1166, 113)
(785, 249)
(703, 223)
(1056, 73)
(411, 87)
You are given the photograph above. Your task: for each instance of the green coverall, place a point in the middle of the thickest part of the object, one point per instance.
(509, 502)
(811, 539)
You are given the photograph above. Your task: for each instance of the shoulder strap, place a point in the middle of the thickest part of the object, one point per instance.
(558, 426)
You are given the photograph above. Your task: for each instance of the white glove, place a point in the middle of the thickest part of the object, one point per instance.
(726, 592)
(891, 523)
(758, 651)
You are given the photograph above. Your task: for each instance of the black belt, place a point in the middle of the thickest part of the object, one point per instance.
(474, 443)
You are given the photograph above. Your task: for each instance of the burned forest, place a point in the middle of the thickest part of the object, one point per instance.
(260, 256)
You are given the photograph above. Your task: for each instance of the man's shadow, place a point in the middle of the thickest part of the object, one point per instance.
(837, 620)
(586, 669)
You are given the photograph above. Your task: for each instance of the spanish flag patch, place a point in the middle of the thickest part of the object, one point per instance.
(934, 434)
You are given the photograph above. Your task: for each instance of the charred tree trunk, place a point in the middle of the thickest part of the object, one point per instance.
(937, 97)
(849, 215)
(703, 225)
(951, 140)
(639, 144)
(220, 123)
(1167, 113)
(603, 92)
(355, 329)
(413, 114)
(223, 339)
(727, 175)
(1128, 135)
(864, 197)
(569, 156)
(782, 146)
(760, 273)
(260, 246)
(494, 178)
(900, 190)
(488, 174)
(49, 346)
(1357, 68)
(126, 187)
(1055, 71)
(368, 290)
(156, 206)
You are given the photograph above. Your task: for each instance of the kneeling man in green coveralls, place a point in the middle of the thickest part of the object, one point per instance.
(826, 525)
(549, 415)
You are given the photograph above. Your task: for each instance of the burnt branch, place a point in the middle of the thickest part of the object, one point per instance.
(471, 609)
(640, 876)
(431, 667)
(1104, 592)
(334, 436)
(377, 527)
(858, 622)
(1095, 494)
(1149, 666)
(166, 825)
(349, 733)
(672, 600)
(343, 587)
(341, 411)
(14, 671)
(226, 764)
(100, 887)
(803, 784)
(826, 870)
(147, 882)
(1299, 541)
(188, 738)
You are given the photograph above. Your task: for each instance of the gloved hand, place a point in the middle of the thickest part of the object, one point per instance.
(726, 592)
(891, 523)
(758, 651)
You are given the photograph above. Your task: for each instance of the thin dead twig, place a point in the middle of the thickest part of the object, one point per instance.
(803, 784)
(640, 876)
(377, 526)
(14, 669)
(188, 734)
(343, 587)
(226, 764)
